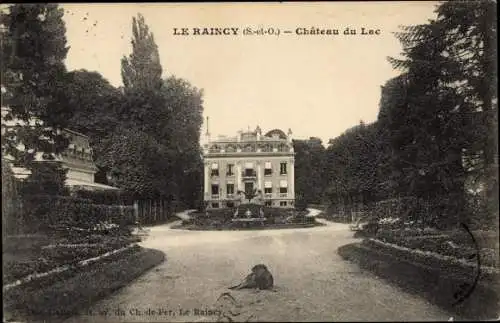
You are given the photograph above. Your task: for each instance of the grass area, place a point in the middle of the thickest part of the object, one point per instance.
(67, 294)
(441, 283)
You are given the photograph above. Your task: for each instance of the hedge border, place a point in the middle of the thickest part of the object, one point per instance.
(435, 284)
(72, 293)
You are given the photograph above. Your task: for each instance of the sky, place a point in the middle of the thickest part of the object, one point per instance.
(316, 85)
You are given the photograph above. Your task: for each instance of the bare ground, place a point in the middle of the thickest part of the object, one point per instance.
(312, 282)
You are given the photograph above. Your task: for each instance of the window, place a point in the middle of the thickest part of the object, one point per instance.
(269, 203)
(230, 204)
(230, 189)
(283, 187)
(268, 171)
(268, 187)
(283, 168)
(215, 189)
(230, 170)
(215, 169)
(283, 203)
(215, 205)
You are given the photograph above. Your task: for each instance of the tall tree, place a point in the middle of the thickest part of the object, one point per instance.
(445, 64)
(136, 162)
(355, 158)
(142, 69)
(95, 103)
(167, 116)
(471, 36)
(309, 168)
(33, 79)
(144, 106)
(182, 135)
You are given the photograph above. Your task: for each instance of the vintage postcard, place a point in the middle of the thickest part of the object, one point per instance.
(250, 162)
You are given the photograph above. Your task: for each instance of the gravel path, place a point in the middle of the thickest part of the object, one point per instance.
(312, 282)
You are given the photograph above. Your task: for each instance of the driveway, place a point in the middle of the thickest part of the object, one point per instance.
(313, 283)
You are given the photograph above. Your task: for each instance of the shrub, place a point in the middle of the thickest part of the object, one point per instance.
(201, 206)
(45, 178)
(301, 203)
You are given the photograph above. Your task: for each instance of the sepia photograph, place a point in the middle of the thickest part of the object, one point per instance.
(250, 161)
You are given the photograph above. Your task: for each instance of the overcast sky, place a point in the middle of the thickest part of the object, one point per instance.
(315, 85)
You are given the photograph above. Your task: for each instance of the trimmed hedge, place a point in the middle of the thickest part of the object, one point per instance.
(43, 212)
(107, 197)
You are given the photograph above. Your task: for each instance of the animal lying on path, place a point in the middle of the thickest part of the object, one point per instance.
(260, 278)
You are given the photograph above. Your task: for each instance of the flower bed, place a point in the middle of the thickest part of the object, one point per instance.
(221, 219)
(455, 244)
(68, 267)
(64, 294)
(439, 280)
(433, 259)
(64, 252)
(239, 228)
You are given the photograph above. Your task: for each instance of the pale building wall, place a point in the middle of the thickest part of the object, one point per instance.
(80, 175)
(259, 159)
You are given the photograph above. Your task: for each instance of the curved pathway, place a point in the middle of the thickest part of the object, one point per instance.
(313, 283)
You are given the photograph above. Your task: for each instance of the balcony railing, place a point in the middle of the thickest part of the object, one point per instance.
(283, 195)
(215, 196)
(268, 195)
(230, 195)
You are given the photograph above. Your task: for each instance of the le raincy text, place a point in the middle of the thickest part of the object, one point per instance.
(195, 31)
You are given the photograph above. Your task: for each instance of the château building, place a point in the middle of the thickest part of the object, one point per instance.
(249, 163)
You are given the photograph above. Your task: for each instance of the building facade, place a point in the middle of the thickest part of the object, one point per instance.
(249, 164)
(77, 159)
